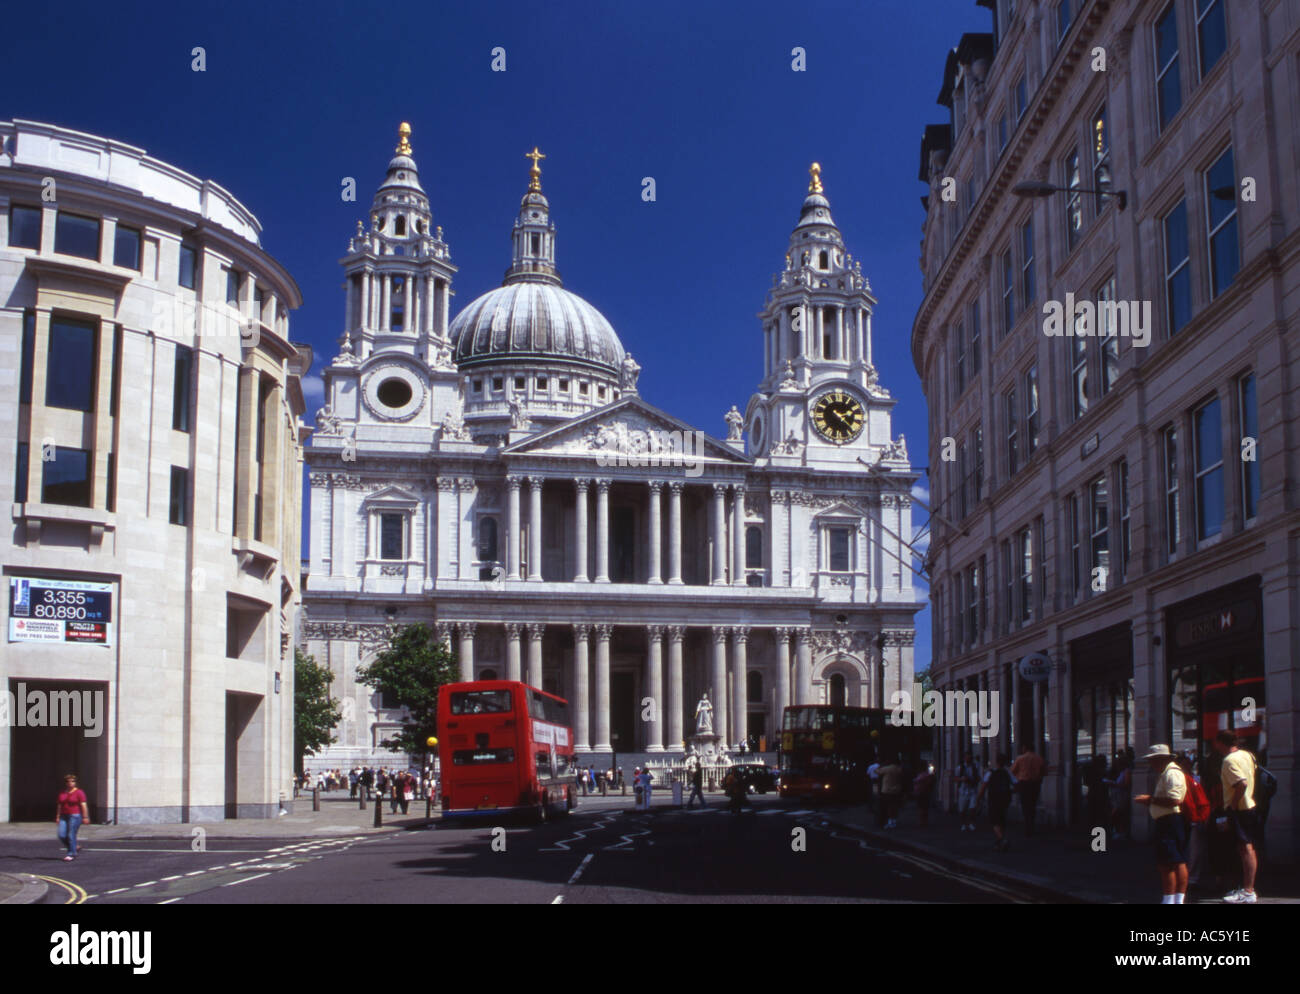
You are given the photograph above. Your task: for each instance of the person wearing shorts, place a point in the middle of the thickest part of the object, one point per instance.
(1237, 775)
(1170, 833)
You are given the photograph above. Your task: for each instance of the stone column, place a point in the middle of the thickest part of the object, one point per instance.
(364, 316)
(513, 668)
(466, 631)
(386, 303)
(1004, 706)
(603, 634)
(782, 671)
(738, 536)
(602, 530)
(676, 636)
(582, 690)
(580, 532)
(739, 688)
(535, 633)
(803, 666)
(654, 734)
(718, 533)
(512, 531)
(675, 532)
(655, 532)
(719, 688)
(408, 310)
(535, 529)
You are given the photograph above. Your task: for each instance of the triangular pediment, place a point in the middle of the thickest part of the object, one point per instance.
(628, 427)
(393, 494)
(840, 509)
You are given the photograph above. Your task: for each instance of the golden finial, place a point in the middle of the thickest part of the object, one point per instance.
(404, 146)
(815, 171)
(534, 174)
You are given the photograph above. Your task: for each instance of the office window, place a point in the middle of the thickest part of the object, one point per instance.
(187, 275)
(1249, 429)
(1062, 21)
(1073, 200)
(1027, 290)
(1107, 336)
(76, 235)
(959, 612)
(66, 478)
(1031, 411)
(1022, 98)
(1178, 276)
(115, 378)
(1211, 33)
(839, 549)
(1078, 377)
(1008, 587)
(126, 247)
(1209, 471)
(178, 507)
(972, 603)
(25, 363)
(1221, 222)
(974, 338)
(977, 447)
(1125, 522)
(234, 280)
(1169, 93)
(24, 227)
(959, 342)
(1026, 557)
(182, 388)
(71, 364)
(20, 474)
(110, 484)
(984, 594)
(1099, 530)
(1173, 522)
(1072, 529)
(1013, 426)
(1040, 537)
(963, 481)
(1008, 293)
(1101, 179)
(391, 536)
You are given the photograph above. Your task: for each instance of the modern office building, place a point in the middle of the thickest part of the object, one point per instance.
(1111, 259)
(499, 477)
(150, 465)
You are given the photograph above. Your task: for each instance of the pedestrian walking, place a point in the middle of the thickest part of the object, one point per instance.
(891, 790)
(997, 785)
(1170, 833)
(733, 784)
(1028, 771)
(968, 785)
(1237, 775)
(1120, 787)
(922, 787)
(354, 778)
(697, 786)
(647, 784)
(636, 785)
(71, 811)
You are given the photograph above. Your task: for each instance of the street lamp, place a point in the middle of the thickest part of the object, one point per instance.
(1036, 188)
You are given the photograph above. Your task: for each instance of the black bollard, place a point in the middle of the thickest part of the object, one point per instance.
(379, 811)
(315, 799)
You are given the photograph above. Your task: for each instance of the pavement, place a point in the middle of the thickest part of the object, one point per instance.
(1057, 865)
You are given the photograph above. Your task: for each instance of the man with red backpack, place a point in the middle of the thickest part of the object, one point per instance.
(1196, 809)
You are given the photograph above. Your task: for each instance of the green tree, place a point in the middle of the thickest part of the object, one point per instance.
(315, 713)
(408, 673)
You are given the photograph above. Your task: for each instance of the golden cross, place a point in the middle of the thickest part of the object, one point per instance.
(403, 146)
(535, 173)
(816, 173)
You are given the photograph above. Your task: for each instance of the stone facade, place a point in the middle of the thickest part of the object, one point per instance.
(166, 397)
(1123, 506)
(501, 478)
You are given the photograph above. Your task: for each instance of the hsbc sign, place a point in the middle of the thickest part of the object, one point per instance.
(1235, 619)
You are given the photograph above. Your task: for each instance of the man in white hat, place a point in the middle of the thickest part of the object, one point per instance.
(1170, 835)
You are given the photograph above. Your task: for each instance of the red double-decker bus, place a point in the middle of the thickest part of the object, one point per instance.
(505, 748)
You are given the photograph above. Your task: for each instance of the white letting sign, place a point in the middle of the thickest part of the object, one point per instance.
(43, 610)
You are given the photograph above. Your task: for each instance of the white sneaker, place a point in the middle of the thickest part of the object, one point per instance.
(1240, 897)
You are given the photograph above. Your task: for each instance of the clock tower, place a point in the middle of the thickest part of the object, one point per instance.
(819, 402)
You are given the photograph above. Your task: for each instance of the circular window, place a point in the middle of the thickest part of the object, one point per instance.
(394, 393)
(401, 175)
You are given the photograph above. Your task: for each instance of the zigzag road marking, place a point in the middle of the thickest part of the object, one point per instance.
(579, 835)
(626, 840)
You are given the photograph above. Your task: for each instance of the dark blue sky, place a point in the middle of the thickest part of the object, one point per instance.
(701, 96)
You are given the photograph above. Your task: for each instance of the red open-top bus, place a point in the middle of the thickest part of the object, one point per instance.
(505, 747)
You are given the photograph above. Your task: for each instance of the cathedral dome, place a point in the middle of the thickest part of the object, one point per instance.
(526, 320)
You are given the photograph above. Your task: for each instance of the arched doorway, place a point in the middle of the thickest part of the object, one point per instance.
(837, 690)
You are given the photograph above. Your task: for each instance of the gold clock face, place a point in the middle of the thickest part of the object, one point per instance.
(838, 417)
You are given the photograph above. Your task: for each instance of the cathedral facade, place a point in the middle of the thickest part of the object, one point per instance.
(499, 477)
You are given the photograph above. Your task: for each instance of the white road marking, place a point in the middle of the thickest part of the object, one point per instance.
(177, 877)
(244, 880)
(559, 899)
(102, 849)
(117, 890)
(581, 866)
(196, 873)
(170, 900)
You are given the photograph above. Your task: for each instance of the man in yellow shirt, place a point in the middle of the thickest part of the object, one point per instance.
(1170, 834)
(1238, 778)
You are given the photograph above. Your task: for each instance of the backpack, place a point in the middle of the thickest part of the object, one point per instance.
(1196, 805)
(1265, 785)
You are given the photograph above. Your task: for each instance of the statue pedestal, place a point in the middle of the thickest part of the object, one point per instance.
(707, 746)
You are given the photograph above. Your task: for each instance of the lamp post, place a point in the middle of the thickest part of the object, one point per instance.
(432, 743)
(1036, 188)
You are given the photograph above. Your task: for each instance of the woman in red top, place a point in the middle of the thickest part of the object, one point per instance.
(71, 812)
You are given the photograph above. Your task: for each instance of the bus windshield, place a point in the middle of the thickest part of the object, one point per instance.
(481, 702)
